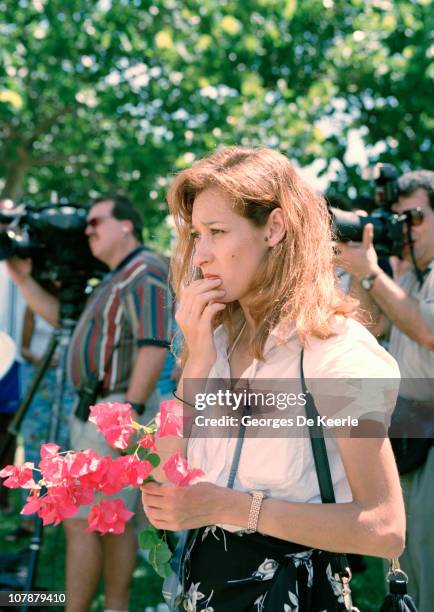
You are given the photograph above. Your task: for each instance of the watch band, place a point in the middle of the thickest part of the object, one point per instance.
(138, 407)
(255, 509)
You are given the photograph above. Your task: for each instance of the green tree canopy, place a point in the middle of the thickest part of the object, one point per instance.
(120, 94)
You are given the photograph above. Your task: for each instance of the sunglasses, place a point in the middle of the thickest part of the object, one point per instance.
(413, 216)
(96, 221)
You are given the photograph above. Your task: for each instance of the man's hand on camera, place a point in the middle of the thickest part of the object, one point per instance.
(359, 258)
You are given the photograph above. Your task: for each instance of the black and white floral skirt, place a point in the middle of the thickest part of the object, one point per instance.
(228, 572)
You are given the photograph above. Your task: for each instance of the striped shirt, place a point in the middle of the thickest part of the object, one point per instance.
(130, 308)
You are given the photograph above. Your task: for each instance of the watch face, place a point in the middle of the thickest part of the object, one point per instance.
(367, 281)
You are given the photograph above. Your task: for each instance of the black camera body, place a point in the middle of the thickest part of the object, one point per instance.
(87, 397)
(54, 238)
(388, 226)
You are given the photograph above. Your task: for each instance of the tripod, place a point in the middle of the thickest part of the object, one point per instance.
(69, 310)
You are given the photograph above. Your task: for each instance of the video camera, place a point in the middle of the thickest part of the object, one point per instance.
(53, 237)
(388, 226)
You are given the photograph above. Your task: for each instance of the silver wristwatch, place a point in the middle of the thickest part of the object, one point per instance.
(367, 281)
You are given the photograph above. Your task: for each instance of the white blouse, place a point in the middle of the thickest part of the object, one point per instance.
(283, 467)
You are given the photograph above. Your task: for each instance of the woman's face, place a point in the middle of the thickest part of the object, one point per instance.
(227, 246)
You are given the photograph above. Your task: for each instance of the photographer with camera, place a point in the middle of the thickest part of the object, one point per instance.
(408, 305)
(116, 354)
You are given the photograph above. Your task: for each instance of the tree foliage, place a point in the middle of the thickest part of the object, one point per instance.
(98, 96)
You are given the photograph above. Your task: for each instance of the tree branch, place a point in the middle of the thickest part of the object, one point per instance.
(48, 160)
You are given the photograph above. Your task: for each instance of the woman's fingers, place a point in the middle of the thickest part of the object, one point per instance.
(158, 494)
(197, 288)
(194, 301)
(153, 488)
(177, 508)
(159, 504)
(198, 285)
(210, 312)
(201, 302)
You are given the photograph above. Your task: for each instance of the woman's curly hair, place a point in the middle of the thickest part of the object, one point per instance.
(296, 285)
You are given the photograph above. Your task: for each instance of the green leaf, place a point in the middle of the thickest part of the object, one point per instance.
(129, 451)
(159, 557)
(163, 553)
(149, 537)
(154, 459)
(164, 570)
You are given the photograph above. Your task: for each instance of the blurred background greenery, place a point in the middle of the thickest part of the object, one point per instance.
(120, 94)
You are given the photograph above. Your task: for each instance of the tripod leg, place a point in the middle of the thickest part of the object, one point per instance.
(8, 439)
(61, 341)
(34, 385)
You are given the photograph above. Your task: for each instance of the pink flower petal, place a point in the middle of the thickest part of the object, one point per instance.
(108, 516)
(170, 419)
(178, 472)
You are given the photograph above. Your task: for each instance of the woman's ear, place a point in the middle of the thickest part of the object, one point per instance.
(275, 227)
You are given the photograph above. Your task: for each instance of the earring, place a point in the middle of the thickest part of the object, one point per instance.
(266, 239)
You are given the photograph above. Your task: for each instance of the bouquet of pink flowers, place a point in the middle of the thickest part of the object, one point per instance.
(72, 479)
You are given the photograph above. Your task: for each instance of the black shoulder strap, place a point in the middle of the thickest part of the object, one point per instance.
(322, 466)
(238, 449)
(318, 444)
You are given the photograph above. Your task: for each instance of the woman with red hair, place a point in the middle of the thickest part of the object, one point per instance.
(258, 301)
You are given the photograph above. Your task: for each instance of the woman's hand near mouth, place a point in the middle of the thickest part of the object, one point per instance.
(198, 306)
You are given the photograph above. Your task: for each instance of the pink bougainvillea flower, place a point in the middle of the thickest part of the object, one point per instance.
(60, 468)
(169, 420)
(103, 474)
(90, 469)
(57, 505)
(81, 495)
(18, 476)
(114, 421)
(147, 441)
(49, 450)
(54, 468)
(60, 502)
(84, 463)
(32, 504)
(115, 477)
(137, 470)
(109, 516)
(178, 472)
(123, 472)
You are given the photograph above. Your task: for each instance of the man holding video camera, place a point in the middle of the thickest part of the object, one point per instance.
(408, 304)
(116, 354)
